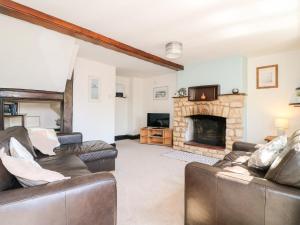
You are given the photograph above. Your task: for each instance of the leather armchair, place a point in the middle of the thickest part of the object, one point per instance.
(89, 200)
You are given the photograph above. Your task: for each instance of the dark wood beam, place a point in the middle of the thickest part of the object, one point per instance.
(68, 107)
(1, 114)
(26, 94)
(28, 14)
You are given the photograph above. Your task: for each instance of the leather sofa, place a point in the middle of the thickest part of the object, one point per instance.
(230, 193)
(87, 198)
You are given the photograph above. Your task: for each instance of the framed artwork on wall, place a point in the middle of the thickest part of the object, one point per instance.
(160, 93)
(267, 77)
(94, 89)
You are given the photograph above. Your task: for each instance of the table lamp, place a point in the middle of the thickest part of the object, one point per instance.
(282, 125)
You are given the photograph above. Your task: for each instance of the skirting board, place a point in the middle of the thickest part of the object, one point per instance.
(123, 137)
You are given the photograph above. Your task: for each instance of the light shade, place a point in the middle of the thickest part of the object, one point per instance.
(281, 123)
(173, 50)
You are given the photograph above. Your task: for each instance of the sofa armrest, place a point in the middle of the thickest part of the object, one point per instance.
(213, 195)
(243, 146)
(69, 138)
(89, 199)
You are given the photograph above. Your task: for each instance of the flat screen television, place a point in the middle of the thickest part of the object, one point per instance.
(158, 120)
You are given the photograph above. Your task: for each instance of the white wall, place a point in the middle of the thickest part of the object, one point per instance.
(160, 106)
(96, 120)
(48, 113)
(137, 111)
(131, 113)
(264, 105)
(33, 57)
(122, 107)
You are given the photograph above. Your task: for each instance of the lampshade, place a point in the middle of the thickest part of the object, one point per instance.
(281, 123)
(173, 50)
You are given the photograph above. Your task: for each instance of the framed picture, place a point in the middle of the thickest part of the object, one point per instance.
(10, 108)
(160, 93)
(267, 77)
(94, 89)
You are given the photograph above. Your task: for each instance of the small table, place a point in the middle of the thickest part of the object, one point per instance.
(269, 138)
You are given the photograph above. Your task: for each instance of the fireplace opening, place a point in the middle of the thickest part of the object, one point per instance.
(206, 130)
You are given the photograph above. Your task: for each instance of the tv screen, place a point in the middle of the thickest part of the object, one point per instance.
(158, 120)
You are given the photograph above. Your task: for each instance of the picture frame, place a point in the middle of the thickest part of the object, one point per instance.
(94, 89)
(10, 108)
(267, 76)
(160, 93)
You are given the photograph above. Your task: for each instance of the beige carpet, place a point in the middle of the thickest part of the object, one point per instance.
(150, 186)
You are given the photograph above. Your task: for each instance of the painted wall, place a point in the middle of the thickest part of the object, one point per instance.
(131, 113)
(33, 57)
(160, 106)
(264, 105)
(96, 120)
(228, 72)
(122, 107)
(47, 112)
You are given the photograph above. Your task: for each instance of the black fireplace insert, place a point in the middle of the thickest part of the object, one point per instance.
(209, 130)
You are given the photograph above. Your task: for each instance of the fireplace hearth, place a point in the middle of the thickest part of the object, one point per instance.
(206, 130)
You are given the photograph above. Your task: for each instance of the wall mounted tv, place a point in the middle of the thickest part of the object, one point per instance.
(158, 120)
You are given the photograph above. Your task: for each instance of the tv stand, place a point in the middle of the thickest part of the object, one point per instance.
(156, 136)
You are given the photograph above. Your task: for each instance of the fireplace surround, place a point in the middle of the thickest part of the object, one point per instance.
(227, 110)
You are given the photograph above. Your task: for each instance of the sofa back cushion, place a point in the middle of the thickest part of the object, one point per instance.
(7, 180)
(286, 168)
(263, 157)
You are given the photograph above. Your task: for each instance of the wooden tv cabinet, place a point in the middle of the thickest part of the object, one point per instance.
(156, 136)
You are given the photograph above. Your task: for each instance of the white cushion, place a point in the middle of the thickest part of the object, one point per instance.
(18, 150)
(29, 172)
(266, 154)
(45, 140)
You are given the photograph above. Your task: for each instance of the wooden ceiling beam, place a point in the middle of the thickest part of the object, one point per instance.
(19, 11)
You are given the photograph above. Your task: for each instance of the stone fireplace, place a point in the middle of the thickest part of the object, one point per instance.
(208, 127)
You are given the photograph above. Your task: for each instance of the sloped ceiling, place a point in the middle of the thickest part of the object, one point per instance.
(33, 57)
(208, 29)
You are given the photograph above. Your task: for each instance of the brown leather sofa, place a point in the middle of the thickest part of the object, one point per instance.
(230, 193)
(87, 198)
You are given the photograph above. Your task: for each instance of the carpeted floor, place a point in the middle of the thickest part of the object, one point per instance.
(150, 186)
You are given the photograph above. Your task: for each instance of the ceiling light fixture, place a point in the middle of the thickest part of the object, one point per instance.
(173, 50)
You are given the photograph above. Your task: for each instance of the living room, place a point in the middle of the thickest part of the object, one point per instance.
(150, 112)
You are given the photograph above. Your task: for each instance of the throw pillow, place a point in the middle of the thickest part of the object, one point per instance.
(28, 172)
(19, 133)
(45, 140)
(285, 169)
(17, 150)
(263, 157)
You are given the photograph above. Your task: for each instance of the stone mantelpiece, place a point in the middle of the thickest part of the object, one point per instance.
(228, 106)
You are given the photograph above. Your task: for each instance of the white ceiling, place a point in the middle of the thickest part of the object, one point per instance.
(207, 28)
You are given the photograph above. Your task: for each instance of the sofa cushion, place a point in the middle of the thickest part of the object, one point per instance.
(88, 151)
(28, 172)
(45, 140)
(263, 157)
(68, 165)
(286, 168)
(7, 180)
(239, 168)
(17, 150)
(19, 133)
(240, 157)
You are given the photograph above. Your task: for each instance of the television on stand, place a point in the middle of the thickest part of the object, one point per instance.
(158, 120)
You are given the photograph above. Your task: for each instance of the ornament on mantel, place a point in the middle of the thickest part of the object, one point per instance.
(235, 91)
(181, 93)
